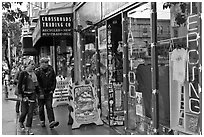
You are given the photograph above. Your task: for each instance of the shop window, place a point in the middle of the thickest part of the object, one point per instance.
(168, 29)
(144, 31)
(194, 8)
(161, 29)
(158, 30)
(175, 33)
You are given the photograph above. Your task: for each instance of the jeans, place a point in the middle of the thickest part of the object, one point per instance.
(17, 106)
(27, 110)
(47, 101)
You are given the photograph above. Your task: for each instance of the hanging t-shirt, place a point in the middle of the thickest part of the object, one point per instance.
(179, 58)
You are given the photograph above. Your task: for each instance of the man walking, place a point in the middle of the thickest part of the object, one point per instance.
(47, 83)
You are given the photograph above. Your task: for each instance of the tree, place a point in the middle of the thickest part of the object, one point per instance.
(12, 21)
(181, 16)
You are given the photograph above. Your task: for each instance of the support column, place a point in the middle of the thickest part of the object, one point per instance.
(54, 56)
(98, 68)
(125, 67)
(154, 69)
(200, 63)
(83, 66)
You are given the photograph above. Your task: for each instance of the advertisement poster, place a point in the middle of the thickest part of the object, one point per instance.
(85, 104)
(61, 93)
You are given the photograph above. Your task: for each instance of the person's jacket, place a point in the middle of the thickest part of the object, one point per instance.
(47, 79)
(23, 84)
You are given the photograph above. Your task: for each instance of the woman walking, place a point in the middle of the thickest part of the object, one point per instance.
(27, 88)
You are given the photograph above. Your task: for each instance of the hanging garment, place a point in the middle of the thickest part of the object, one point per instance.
(179, 58)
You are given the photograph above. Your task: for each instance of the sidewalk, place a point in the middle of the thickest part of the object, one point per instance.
(10, 125)
(9, 116)
(61, 115)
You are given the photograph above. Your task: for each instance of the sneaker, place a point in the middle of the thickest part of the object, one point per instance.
(53, 124)
(21, 125)
(42, 123)
(29, 132)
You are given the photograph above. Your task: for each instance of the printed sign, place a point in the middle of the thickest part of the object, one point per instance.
(62, 92)
(56, 25)
(85, 106)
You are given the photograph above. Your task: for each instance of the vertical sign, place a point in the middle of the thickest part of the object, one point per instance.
(110, 75)
(193, 67)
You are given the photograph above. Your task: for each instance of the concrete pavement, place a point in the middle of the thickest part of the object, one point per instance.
(9, 116)
(61, 115)
(10, 124)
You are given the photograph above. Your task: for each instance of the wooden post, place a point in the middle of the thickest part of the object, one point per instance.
(125, 67)
(154, 69)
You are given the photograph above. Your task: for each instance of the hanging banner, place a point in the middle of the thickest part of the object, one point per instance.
(85, 106)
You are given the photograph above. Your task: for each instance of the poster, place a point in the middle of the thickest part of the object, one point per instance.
(62, 91)
(85, 106)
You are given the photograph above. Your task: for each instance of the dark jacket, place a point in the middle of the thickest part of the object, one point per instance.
(47, 79)
(23, 84)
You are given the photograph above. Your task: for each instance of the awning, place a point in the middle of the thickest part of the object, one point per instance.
(52, 26)
(28, 49)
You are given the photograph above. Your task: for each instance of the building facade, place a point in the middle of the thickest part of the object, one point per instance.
(96, 44)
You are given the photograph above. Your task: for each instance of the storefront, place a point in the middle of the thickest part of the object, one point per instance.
(53, 37)
(107, 44)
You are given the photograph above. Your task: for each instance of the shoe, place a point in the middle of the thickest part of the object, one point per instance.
(29, 131)
(21, 125)
(42, 123)
(53, 124)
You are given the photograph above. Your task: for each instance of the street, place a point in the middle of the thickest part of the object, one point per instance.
(10, 123)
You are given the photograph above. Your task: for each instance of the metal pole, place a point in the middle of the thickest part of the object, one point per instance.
(55, 56)
(154, 69)
(125, 67)
(9, 47)
(200, 63)
(83, 56)
(98, 68)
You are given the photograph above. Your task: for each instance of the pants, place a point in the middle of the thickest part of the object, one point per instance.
(17, 106)
(47, 101)
(27, 110)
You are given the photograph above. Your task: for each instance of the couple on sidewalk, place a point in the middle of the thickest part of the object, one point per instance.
(40, 84)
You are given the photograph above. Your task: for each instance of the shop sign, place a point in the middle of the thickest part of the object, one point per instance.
(193, 72)
(56, 25)
(193, 68)
(85, 106)
(62, 92)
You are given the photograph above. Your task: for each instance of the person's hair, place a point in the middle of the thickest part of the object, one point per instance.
(29, 62)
